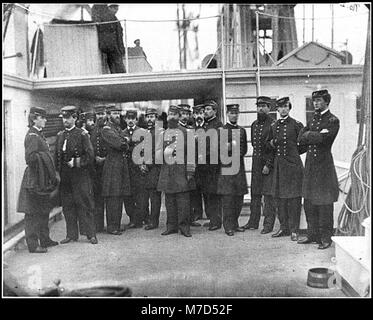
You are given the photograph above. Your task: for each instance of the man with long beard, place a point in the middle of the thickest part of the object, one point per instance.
(100, 154)
(261, 172)
(115, 175)
(176, 178)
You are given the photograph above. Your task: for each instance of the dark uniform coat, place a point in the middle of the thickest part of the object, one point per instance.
(320, 183)
(99, 149)
(115, 176)
(173, 177)
(154, 169)
(201, 169)
(137, 178)
(77, 144)
(263, 155)
(110, 35)
(39, 178)
(209, 173)
(288, 166)
(234, 184)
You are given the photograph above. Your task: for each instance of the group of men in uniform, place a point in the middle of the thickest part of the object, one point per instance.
(278, 174)
(99, 172)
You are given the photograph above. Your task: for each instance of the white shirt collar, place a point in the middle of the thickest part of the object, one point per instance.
(284, 118)
(234, 125)
(70, 128)
(37, 128)
(326, 110)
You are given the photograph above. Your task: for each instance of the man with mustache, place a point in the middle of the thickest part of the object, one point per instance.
(100, 154)
(115, 175)
(210, 181)
(153, 169)
(233, 187)
(137, 205)
(197, 195)
(176, 178)
(261, 172)
(74, 158)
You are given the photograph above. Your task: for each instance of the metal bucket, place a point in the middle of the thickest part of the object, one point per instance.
(319, 278)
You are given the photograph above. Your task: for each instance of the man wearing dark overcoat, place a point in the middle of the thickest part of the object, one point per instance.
(320, 184)
(100, 154)
(196, 196)
(261, 172)
(74, 154)
(176, 178)
(185, 116)
(153, 168)
(211, 170)
(138, 203)
(40, 179)
(287, 170)
(110, 35)
(115, 175)
(232, 186)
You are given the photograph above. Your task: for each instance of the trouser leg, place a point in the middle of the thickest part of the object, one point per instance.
(70, 214)
(326, 222)
(213, 209)
(312, 218)
(44, 228)
(196, 205)
(99, 212)
(155, 203)
(255, 210)
(228, 212)
(130, 207)
(283, 214)
(113, 213)
(31, 231)
(183, 211)
(238, 200)
(205, 201)
(141, 198)
(115, 62)
(294, 210)
(269, 212)
(171, 209)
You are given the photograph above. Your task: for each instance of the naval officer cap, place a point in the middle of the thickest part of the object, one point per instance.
(37, 111)
(233, 107)
(173, 108)
(198, 108)
(131, 114)
(263, 100)
(184, 107)
(151, 110)
(89, 115)
(113, 108)
(99, 109)
(68, 111)
(321, 94)
(282, 102)
(211, 103)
